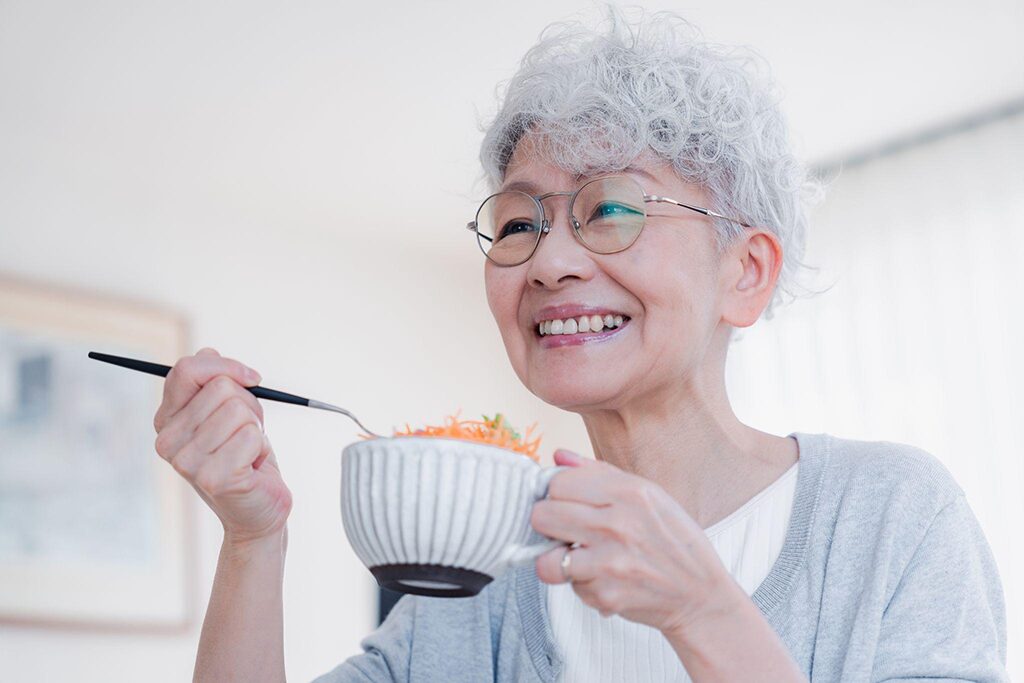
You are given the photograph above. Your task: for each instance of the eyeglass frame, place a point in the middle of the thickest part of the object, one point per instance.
(545, 226)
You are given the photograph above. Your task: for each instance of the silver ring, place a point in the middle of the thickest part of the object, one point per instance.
(567, 561)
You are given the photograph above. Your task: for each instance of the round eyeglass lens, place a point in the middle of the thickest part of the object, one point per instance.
(608, 213)
(508, 227)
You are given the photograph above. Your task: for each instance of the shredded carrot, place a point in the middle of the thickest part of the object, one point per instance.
(495, 431)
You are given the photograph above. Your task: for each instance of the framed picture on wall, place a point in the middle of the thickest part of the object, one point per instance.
(95, 529)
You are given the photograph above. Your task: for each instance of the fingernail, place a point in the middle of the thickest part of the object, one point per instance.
(253, 375)
(569, 456)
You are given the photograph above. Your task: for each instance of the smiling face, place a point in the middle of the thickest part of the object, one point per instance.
(667, 287)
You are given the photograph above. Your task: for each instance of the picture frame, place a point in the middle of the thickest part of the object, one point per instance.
(96, 530)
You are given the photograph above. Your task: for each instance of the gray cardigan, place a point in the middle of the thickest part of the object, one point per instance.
(884, 574)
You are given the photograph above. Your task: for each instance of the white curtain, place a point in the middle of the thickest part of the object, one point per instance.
(919, 339)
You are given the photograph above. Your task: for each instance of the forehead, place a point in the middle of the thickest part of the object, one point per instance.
(538, 166)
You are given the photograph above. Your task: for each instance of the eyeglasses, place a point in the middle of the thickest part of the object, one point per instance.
(607, 215)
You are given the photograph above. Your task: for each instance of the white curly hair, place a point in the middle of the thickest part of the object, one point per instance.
(600, 97)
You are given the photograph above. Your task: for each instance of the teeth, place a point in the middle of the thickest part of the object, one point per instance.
(592, 323)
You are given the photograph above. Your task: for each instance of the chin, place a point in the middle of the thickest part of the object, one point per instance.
(575, 396)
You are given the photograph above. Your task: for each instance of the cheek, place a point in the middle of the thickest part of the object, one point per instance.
(492, 286)
(675, 281)
(658, 274)
(503, 294)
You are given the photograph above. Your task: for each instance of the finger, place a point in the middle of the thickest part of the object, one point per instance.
(255, 449)
(267, 455)
(188, 376)
(596, 483)
(568, 458)
(549, 565)
(228, 468)
(271, 458)
(227, 419)
(567, 520)
(181, 428)
(604, 596)
(213, 433)
(214, 394)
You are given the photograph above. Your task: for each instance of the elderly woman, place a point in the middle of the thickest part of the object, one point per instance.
(645, 204)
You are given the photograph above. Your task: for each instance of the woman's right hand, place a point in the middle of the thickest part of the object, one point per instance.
(210, 429)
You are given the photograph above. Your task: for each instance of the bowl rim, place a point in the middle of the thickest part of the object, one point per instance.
(487, 449)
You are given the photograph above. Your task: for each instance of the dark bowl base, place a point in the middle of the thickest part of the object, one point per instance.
(433, 580)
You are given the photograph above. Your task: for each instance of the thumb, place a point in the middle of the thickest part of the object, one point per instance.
(568, 458)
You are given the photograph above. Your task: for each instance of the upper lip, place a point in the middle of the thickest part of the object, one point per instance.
(563, 311)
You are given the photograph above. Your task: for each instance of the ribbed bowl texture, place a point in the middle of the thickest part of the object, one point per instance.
(426, 500)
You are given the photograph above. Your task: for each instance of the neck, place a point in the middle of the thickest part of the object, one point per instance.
(685, 436)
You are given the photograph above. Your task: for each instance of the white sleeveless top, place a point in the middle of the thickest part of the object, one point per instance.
(596, 649)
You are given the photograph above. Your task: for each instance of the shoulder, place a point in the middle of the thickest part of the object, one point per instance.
(869, 491)
(888, 469)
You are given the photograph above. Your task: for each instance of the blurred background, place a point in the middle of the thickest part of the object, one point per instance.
(288, 183)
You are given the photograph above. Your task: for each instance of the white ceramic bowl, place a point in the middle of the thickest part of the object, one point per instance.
(440, 517)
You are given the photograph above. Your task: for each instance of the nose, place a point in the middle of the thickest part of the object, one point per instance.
(560, 258)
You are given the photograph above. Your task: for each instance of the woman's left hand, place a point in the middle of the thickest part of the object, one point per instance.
(640, 555)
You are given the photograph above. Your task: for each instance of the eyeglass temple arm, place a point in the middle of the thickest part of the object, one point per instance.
(471, 226)
(698, 209)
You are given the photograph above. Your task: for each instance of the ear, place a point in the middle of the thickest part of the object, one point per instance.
(750, 268)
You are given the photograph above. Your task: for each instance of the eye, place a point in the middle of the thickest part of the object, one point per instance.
(613, 210)
(516, 227)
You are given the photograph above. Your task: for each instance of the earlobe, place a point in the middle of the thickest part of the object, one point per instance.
(757, 257)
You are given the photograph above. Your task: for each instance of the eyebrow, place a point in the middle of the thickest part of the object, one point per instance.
(520, 186)
(531, 189)
(641, 171)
